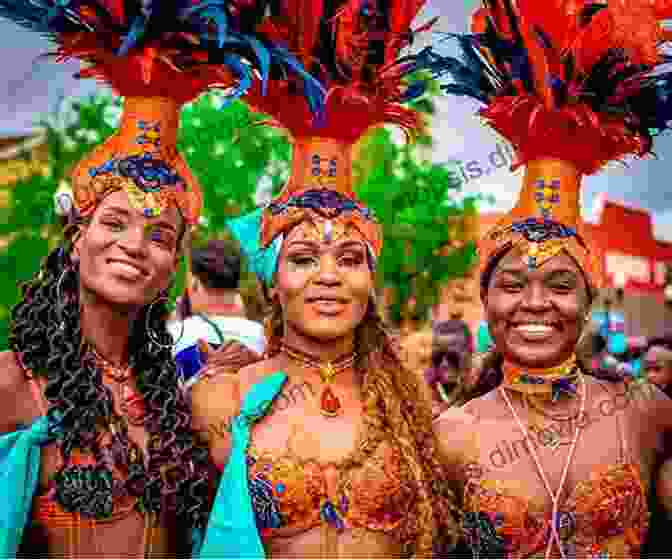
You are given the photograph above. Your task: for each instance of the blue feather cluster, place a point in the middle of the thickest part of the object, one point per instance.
(491, 66)
(221, 29)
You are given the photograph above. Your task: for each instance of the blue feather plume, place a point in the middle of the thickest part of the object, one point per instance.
(496, 64)
(226, 32)
(135, 33)
(314, 91)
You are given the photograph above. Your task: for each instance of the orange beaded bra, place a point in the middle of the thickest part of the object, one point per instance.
(604, 516)
(290, 494)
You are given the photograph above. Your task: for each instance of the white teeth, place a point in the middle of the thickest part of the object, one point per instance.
(535, 329)
(128, 268)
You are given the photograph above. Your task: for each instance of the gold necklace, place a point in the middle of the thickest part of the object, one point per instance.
(131, 403)
(330, 404)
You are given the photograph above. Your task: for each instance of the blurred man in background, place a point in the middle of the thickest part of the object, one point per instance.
(450, 373)
(212, 316)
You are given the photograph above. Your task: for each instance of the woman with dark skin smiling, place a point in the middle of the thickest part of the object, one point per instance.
(95, 293)
(555, 462)
(515, 435)
(97, 454)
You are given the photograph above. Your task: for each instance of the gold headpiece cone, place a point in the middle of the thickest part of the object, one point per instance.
(545, 221)
(142, 159)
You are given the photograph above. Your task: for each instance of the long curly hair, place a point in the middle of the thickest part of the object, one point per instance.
(397, 405)
(46, 336)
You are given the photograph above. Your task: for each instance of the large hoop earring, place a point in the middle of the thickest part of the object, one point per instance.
(60, 298)
(153, 337)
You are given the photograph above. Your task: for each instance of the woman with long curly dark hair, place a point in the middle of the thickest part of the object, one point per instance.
(90, 352)
(97, 454)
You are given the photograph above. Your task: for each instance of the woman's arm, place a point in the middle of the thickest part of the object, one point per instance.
(17, 405)
(215, 401)
(458, 445)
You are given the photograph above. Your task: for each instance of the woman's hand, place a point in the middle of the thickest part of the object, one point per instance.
(228, 359)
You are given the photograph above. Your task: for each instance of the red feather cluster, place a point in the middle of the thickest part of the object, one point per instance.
(360, 93)
(534, 120)
(150, 72)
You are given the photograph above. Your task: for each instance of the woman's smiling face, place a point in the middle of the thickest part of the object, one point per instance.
(536, 316)
(323, 285)
(124, 257)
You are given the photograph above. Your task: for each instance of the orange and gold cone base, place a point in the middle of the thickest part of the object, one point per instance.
(142, 159)
(545, 221)
(320, 163)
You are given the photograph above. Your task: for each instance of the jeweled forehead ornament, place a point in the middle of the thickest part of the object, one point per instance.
(545, 222)
(328, 230)
(140, 159)
(334, 211)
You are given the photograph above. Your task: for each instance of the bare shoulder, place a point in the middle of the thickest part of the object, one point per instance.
(456, 430)
(11, 375)
(221, 395)
(15, 397)
(215, 397)
(644, 400)
(254, 373)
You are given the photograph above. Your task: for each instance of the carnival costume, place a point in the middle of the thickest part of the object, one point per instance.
(158, 56)
(570, 84)
(353, 47)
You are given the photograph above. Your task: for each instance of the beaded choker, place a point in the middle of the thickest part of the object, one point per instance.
(543, 382)
(330, 404)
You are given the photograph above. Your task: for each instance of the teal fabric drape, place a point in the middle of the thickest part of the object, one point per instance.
(20, 454)
(232, 529)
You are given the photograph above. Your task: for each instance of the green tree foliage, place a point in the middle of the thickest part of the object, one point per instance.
(230, 151)
(418, 204)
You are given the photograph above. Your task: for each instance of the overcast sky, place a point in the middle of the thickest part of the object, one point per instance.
(32, 86)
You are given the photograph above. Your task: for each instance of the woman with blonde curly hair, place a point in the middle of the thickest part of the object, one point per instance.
(326, 445)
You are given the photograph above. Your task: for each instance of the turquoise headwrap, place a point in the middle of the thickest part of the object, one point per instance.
(263, 261)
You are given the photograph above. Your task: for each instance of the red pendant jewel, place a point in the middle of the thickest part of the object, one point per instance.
(330, 404)
(133, 406)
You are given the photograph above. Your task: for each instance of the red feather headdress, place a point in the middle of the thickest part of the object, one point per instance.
(353, 47)
(135, 47)
(571, 84)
